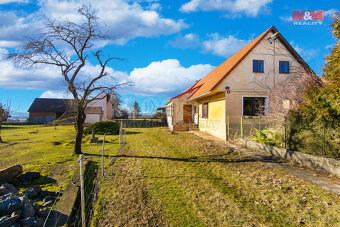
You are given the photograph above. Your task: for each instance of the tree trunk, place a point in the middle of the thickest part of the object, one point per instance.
(79, 126)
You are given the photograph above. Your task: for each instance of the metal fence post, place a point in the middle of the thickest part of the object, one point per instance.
(241, 126)
(82, 190)
(259, 124)
(228, 125)
(120, 131)
(103, 148)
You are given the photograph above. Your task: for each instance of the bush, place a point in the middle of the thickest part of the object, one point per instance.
(108, 127)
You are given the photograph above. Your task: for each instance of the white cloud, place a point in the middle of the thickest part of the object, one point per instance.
(330, 12)
(223, 46)
(249, 7)
(12, 1)
(166, 77)
(56, 95)
(286, 18)
(330, 46)
(121, 20)
(189, 40)
(14, 28)
(306, 54)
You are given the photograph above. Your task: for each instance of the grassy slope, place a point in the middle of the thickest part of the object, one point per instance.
(48, 150)
(179, 179)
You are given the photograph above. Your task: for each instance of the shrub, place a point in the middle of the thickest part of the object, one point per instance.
(108, 127)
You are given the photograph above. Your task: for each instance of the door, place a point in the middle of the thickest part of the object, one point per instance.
(187, 113)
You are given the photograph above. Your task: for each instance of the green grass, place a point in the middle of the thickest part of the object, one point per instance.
(172, 179)
(182, 180)
(49, 150)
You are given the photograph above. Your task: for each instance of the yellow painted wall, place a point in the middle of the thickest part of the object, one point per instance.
(215, 123)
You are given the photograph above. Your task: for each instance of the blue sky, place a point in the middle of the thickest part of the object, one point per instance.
(166, 45)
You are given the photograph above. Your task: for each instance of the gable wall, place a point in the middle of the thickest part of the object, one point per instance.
(243, 82)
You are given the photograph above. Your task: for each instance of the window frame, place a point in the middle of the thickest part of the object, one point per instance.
(205, 114)
(284, 67)
(257, 61)
(266, 100)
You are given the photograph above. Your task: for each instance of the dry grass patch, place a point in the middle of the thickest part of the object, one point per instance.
(192, 182)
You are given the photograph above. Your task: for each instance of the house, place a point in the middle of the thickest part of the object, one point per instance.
(44, 110)
(240, 86)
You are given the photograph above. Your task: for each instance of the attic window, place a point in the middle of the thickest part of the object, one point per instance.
(258, 66)
(284, 67)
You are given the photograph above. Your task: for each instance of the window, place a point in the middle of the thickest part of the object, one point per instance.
(284, 66)
(254, 106)
(205, 110)
(258, 66)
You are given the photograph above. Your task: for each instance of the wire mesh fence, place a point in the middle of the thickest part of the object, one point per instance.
(143, 123)
(323, 141)
(82, 211)
(245, 127)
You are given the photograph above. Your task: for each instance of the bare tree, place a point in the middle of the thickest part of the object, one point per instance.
(289, 95)
(68, 45)
(136, 109)
(116, 106)
(4, 114)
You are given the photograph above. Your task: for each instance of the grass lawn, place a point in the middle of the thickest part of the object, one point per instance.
(182, 180)
(48, 150)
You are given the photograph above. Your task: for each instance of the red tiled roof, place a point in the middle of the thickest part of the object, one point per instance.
(210, 81)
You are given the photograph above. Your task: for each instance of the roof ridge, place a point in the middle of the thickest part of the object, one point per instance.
(208, 83)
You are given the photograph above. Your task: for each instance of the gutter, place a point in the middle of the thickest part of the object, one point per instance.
(209, 92)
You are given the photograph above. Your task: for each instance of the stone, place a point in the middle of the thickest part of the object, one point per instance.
(48, 198)
(28, 211)
(43, 194)
(36, 206)
(28, 177)
(43, 212)
(49, 203)
(7, 221)
(32, 191)
(10, 203)
(32, 222)
(10, 172)
(17, 214)
(24, 199)
(7, 188)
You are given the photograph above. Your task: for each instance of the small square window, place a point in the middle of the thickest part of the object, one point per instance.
(284, 67)
(258, 66)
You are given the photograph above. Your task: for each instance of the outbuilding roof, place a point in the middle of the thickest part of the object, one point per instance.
(49, 105)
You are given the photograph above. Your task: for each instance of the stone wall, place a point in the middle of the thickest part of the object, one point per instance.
(329, 165)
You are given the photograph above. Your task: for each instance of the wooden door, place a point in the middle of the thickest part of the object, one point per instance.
(187, 113)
